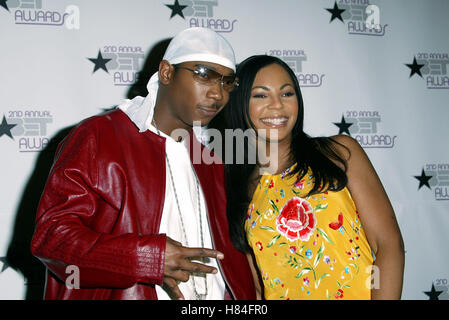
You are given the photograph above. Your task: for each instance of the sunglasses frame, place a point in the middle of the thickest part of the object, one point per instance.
(213, 76)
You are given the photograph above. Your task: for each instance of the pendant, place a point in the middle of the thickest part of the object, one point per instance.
(200, 296)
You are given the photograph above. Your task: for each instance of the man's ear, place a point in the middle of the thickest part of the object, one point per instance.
(166, 72)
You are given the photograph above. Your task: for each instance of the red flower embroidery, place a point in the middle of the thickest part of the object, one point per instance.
(300, 183)
(296, 220)
(336, 225)
(339, 294)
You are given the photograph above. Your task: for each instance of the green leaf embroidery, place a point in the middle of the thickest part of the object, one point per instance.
(303, 272)
(319, 255)
(320, 207)
(300, 255)
(321, 278)
(284, 295)
(324, 276)
(293, 262)
(273, 241)
(275, 208)
(267, 228)
(324, 235)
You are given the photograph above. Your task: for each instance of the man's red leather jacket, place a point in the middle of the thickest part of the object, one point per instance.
(101, 210)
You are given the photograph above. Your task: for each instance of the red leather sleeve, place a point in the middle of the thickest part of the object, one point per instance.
(81, 220)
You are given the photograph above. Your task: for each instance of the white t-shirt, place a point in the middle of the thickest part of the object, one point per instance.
(186, 190)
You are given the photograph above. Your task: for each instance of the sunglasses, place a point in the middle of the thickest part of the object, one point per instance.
(209, 77)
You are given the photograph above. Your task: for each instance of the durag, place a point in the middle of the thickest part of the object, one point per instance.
(193, 44)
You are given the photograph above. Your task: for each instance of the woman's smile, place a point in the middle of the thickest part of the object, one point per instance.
(274, 122)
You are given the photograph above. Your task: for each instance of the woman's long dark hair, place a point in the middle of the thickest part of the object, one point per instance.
(307, 152)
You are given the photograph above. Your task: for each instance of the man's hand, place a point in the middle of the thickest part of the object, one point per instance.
(178, 264)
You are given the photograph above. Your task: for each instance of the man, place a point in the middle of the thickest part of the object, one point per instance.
(125, 212)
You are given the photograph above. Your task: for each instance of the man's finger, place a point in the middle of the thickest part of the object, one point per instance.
(196, 267)
(193, 253)
(172, 285)
(180, 275)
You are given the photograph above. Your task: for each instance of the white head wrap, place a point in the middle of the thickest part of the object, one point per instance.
(193, 44)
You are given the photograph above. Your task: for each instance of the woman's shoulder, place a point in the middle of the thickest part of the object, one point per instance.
(346, 140)
(340, 149)
(350, 149)
(345, 145)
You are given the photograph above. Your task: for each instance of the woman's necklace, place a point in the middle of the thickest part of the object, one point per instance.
(198, 296)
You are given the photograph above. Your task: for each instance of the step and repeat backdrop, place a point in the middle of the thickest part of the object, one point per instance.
(376, 70)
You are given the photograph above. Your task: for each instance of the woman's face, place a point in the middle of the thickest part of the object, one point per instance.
(273, 104)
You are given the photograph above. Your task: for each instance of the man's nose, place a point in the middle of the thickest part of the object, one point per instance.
(216, 89)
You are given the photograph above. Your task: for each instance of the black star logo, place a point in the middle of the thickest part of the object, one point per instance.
(433, 294)
(4, 5)
(176, 9)
(423, 180)
(5, 128)
(343, 126)
(415, 67)
(5, 266)
(336, 13)
(100, 62)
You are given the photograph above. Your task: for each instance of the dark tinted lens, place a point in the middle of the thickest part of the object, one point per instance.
(204, 74)
(229, 82)
(210, 76)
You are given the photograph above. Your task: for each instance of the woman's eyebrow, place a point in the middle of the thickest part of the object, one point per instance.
(267, 89)
(261, 87)
(285, 85)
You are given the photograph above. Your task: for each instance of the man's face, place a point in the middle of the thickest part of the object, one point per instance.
(193, 98)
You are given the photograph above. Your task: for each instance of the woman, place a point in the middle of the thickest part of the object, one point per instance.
(311, 227)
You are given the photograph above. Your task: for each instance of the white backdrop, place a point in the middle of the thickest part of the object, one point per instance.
(386, 85)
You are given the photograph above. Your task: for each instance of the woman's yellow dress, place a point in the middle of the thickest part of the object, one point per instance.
(307, 247)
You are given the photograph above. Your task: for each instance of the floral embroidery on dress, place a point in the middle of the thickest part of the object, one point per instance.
(307, 247)
(296, 220)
